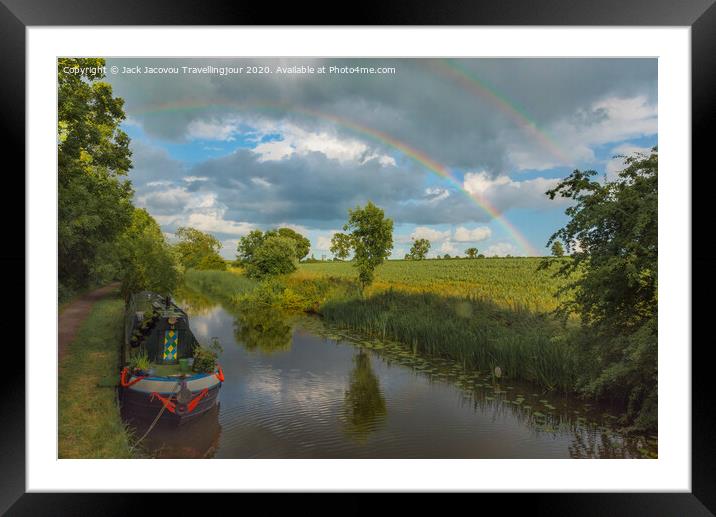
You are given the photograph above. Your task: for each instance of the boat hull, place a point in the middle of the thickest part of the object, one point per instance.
(144, 399)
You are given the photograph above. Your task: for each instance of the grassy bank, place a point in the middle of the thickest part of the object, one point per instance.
(479, 334)
(89, 421)
(222, 285)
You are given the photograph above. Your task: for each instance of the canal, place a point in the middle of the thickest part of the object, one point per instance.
(297, 389)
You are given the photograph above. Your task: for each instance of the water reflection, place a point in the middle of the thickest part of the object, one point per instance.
(264, 330)
(196, 439)
(364, 401)
(194, 302)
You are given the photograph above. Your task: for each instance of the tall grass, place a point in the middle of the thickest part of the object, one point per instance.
(223, 285)
(477, 333)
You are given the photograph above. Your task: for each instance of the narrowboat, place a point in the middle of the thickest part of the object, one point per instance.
(166, 374)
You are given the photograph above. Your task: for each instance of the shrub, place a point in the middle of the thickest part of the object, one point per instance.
(275, 256)
(204, 360)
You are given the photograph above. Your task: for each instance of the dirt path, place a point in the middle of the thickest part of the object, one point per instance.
(76, 313)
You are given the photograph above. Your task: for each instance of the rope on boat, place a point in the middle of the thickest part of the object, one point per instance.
(156, 419)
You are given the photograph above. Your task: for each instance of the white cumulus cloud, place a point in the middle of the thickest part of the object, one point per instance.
(480, 233)
(431, 234)
(500, 249)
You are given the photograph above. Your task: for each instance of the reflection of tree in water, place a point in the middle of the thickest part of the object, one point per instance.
(195, 303)
(364, 402)
(264, 330)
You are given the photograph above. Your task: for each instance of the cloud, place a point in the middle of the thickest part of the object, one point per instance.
(501, 249)
(503, 192)
(211, 130)
(431, 234)
(448, 247)
(261, 182)
(578, 103)
(192, 179)
(480, 233)
(298, 141)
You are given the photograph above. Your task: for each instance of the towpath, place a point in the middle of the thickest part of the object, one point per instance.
(76, 313)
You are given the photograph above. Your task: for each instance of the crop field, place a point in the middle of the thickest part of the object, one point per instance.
(513, 283)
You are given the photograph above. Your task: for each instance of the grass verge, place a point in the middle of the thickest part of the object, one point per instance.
(90, 425)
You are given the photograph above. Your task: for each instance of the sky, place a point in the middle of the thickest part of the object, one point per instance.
(458, 151)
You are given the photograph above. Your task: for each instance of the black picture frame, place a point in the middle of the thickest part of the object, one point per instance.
(700, 15)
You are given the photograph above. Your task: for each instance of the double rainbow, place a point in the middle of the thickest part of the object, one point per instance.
(353, 126)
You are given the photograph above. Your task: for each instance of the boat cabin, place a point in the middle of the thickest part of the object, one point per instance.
(157, 326)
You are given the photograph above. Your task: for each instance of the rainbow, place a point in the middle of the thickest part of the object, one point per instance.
(374, 134)
(472, 83)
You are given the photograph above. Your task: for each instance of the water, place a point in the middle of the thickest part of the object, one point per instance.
(296, 389)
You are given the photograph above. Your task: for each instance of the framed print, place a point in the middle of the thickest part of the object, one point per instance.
(362, 258)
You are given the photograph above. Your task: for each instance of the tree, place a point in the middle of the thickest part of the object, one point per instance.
(148, 262)
(248, 245)
(303, 245)
(198, 250)
(371, 236)
(212, 261)
(557, 249)
(93, 156)
(446, 256)
(612, 280)
(275, 256)
(471, 253)
(341, 246)
(419, 249)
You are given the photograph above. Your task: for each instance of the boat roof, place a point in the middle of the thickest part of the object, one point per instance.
(149, 300)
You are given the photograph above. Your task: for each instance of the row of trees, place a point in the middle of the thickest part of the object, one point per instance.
(102, 236)
(368, 237)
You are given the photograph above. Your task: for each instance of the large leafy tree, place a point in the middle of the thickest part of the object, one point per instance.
(275, 256)
(371, 237)
(341, 245)
(471, 253)
(198, 250)
(248, 244)
(303, 245)
(148, 262)
(612, 237)
(419, 249)
(94, 198)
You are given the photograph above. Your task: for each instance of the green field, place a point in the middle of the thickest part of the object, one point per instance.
(514, 283)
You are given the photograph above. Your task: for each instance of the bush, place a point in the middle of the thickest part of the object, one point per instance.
(275, 256)
(213, 261)
(204, 360)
